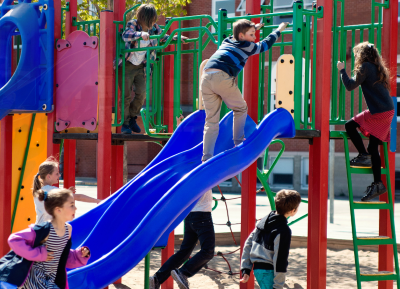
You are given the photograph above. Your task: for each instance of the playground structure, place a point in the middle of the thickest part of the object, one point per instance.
(310, 38)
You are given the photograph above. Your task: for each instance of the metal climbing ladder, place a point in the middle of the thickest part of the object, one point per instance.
(377, 205)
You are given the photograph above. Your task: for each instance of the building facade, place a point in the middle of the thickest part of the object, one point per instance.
(292, 169)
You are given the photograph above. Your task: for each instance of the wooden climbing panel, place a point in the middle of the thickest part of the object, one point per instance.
(285, 83)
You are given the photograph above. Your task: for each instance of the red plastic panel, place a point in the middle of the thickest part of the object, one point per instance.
(77, 81)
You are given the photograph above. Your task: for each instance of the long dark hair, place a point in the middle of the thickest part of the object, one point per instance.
(366, 52)
(146, 15)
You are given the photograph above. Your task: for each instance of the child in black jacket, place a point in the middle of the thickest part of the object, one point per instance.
(267, 248)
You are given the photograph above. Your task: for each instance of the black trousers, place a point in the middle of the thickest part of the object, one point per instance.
(373, 147)
(198, 227)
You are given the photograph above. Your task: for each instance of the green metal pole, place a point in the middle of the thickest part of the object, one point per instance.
(147, 271)
(298, 59)
(177, 77)
(360, 95)
(195, 78)
(351, 202)
(307, 71)
(314, 69)
(390, 197)
(335, 40)
(222, 27)
(353, 41)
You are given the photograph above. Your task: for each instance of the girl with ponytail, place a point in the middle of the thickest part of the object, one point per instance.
(47, 176)
(372, 74)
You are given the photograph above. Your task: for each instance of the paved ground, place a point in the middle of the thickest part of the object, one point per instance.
(367, 220)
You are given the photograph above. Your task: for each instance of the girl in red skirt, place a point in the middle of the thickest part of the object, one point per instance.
(371, 73)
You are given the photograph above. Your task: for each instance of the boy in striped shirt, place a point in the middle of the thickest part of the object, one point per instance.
(218, 80)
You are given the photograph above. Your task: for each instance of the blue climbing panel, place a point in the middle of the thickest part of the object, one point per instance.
(30, 88)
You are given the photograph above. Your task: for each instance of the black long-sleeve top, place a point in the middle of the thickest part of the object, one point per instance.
(375, 93)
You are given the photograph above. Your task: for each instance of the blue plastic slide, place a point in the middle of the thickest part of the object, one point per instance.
(30, 88)
(122, 230)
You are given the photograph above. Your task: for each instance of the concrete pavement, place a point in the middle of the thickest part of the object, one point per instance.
(367, 220)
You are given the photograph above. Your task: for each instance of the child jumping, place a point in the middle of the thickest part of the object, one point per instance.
(41, 253)
(135, 68)
(43, 181)
(371, 73)
(198, 227)
(218, 80)
(266, 250)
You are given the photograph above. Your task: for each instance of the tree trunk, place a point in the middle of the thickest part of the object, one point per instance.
(110, 4)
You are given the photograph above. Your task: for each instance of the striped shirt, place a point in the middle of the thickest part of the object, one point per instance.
(232, 55)
(43, 274)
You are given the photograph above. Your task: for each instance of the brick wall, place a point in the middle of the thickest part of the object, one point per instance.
(140, 154)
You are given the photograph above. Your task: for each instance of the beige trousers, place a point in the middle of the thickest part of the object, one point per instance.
(215, 88)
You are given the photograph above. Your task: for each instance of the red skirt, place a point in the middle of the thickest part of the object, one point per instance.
(377, 124)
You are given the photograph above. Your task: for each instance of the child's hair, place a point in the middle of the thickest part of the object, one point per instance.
(55, 198)
(242, 26)
(146, 15)
(45, 168)
(286, 201)
(366, 52)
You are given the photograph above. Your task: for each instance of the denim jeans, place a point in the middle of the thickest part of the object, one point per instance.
(265, 278)
(198, 227)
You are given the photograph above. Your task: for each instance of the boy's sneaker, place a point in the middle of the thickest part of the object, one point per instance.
(133, 125)
(373, 191)
(125, 129)
(154, 283)
(361, 161)
(180, 279)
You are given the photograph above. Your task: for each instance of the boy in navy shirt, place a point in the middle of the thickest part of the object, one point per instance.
(218, 80)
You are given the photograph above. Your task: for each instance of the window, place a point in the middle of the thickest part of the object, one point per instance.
(304, 172)
(282, 174)
(399, 12)
(285, 6)
(229, 5)
(242, 6)
(226, 184)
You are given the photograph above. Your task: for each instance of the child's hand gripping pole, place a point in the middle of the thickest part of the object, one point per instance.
(245, 278)
(340, 65)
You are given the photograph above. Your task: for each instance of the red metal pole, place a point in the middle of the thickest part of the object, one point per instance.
(319, 156)
(117, 169)
(105, 104)
(117, 158)
(169, 85)
(73, 7)
(165, 254)
(6, 127)
(69, 145)
(54, 149)
(169, 120)
(69, 163)
(389, 53)
(249, 176)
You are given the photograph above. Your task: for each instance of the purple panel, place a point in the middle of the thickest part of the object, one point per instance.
(76, 81)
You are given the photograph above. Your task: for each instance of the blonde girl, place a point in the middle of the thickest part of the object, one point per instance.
(47, 176)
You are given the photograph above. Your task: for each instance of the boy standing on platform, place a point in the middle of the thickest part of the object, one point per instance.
(218, 80)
